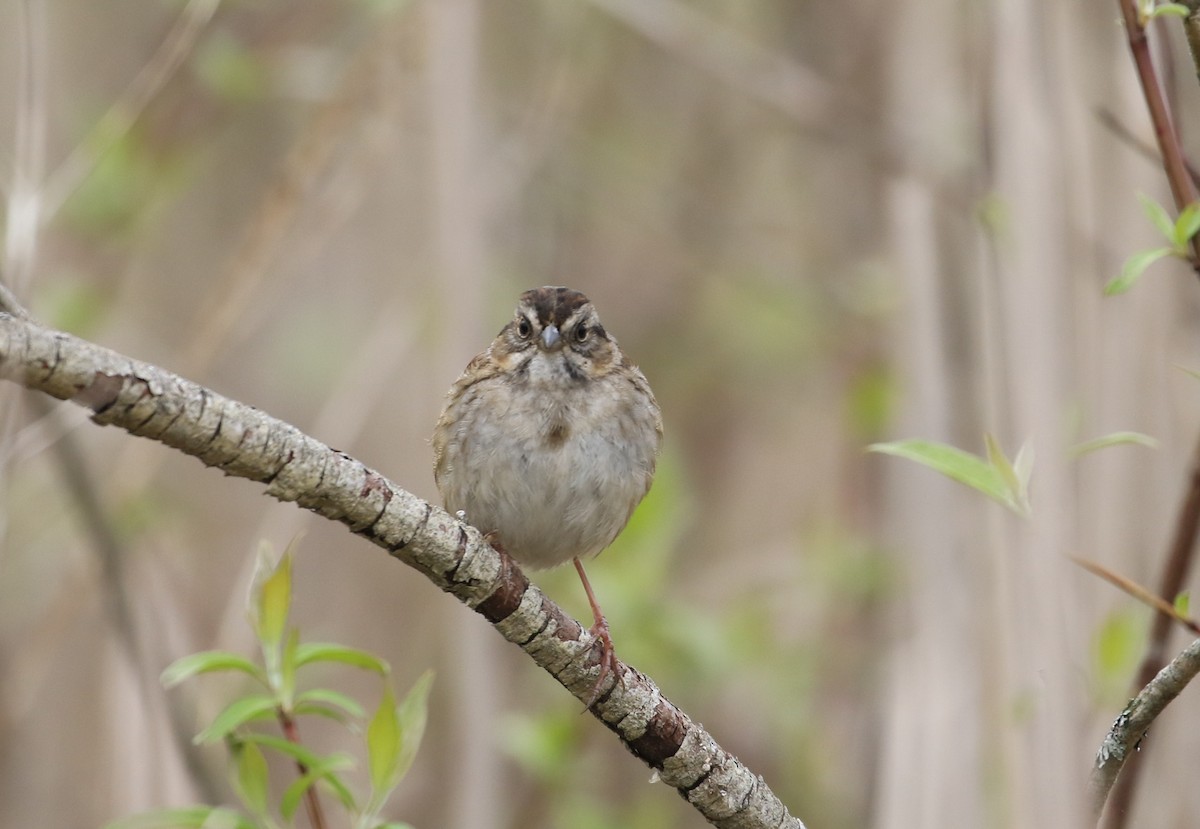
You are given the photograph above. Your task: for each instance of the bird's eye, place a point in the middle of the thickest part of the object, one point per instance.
(581, 333)
(524, 329)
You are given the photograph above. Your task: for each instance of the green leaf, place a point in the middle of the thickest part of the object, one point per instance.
(316, 709)
(1113, 439)
(328, 652)
(393, 737)
(999, 462)
(208, 662)
(327, 697)
(1176, 9)
(344, 795)
(239, 712)
(1134, 267)
(954, 463)
(274, 601)
(293, 794)
(324, 770)
(251, 776)
(1186, 226)
(1182, 601)
(1158, 215)
(383, 747)
(1118, 647)
(311, 760)
(287, 748)
(187, 817)
(413, 714)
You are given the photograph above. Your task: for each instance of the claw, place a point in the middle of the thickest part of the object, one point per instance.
(608, 660)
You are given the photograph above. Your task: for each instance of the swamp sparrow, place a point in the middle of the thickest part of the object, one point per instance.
(548, 440)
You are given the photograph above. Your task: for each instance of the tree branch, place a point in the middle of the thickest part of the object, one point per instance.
(148, 401)
(1133, 723)
(1175, 572)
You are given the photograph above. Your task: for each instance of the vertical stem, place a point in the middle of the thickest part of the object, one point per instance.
(312, 805)
(1164, 130)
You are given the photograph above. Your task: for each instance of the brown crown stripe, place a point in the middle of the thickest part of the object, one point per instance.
(554, 305)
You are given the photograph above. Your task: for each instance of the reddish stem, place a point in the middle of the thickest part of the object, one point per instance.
(291, 731)
(1174, 165)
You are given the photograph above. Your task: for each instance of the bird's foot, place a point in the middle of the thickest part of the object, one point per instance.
(609, 663)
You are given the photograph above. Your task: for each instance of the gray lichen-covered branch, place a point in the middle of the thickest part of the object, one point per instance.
(1131, 726)
(148, 401)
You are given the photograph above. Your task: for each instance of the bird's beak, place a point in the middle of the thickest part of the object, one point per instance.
(550, 336)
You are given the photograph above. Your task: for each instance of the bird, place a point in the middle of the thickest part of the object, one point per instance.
(549, 440)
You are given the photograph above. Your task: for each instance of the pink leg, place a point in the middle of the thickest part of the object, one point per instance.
(608, 654)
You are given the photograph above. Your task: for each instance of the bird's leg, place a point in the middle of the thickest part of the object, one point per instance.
(608, 654)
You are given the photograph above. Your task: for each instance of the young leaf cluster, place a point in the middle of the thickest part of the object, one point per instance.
(393, 732)
(1178, 233)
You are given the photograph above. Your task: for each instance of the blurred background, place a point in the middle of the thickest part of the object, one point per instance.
(813, 225)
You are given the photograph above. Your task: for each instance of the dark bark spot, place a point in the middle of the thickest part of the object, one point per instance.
(506, 598)
(375, 483)
(663, 737)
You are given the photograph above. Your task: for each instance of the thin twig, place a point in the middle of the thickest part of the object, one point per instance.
(1182, 190)
(312, 803)
(1140, 593)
